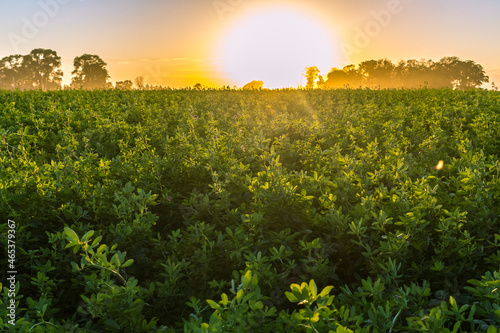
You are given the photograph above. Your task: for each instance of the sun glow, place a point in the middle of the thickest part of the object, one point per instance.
(275, 45)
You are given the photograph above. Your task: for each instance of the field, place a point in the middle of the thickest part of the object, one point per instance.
(238, 211)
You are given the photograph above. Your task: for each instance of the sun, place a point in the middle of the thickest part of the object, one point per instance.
(275, 45)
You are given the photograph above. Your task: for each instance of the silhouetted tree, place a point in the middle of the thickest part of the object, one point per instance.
(344, 78)
(198, 86)
(468, 74)
(311, 76)
(43, 69)
(12, 74)
(337, 78)
(411, 74)
(321, 82)
(253, 85)
(139, 82)
(124, 85)
(377, 72)
(89, 73)
(449, 72)
(40, 69)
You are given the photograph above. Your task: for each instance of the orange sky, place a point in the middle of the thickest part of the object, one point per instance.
(179, 43)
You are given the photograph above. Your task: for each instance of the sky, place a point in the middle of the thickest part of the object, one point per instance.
(179, 43)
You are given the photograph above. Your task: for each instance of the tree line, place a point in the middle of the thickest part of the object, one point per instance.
(449, 72)
(41, 70)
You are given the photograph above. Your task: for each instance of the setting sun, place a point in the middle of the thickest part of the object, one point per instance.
(275, 45)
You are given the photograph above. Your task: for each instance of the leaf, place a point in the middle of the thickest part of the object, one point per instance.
(71, 234)
(96, 241)
(342, 329)
(326, 291)
(115, 260)
(214, 305)
(258, 305)
(313, 289)
(128, 263)
(291, 297)
(44, 308)
(87, 235)
(111, 324)
(475, 282)
(497, 315)
(245, 279)
(224, 299)
(492, 329)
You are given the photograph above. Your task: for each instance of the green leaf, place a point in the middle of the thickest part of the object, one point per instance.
(115, 260)
(128, 263)
(71, 234)
(75, 266)
(492, 329)
(258, 305)
(214, 305)
(313, 289)
(342, 329)
(475, 282)
(44, 308)
(224, 299)
(453, 303)
(297, 291)
(291, 297)
(102, 248)
(87, 235)
(245, 279)
(111, 324)
(96, 241)
(239, 295)
(326, 291)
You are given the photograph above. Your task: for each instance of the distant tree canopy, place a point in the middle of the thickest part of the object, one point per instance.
(89, 73)
(124, 85)
(40, 69)
(311, 75)
(139, 82)
(449, 72)
(253, 85)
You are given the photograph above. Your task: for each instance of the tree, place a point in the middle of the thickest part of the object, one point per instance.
(89, 73)
(321, 82)
(348, 76)
(336, 78)
(124, 85)
(139, 82)
(377, 72)
(424, 73)
(469, 75)
(43, 69)
(253, 85)
(12, 74)
(311, 76)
